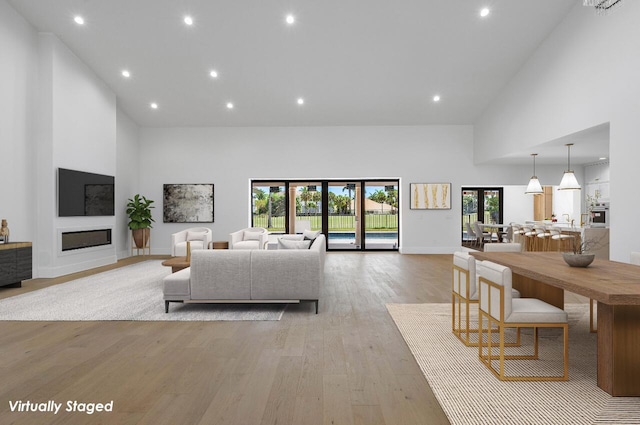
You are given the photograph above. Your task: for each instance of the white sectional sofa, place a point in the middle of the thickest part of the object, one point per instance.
(251, 276)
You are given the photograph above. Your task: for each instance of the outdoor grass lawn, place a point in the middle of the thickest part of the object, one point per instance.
(377, 222)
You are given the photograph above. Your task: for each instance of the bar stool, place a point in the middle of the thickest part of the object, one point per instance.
(529, 237)
(542, 238)
(517, 232)
(563, 241)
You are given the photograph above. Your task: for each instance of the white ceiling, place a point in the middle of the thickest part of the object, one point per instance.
(589, 146)
(355, 62)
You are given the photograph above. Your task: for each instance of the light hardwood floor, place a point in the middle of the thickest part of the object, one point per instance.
(346, 365)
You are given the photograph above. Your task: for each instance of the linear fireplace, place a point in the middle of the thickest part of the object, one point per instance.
(85, 239)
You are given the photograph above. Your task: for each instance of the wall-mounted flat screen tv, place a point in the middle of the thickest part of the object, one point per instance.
(84, 194)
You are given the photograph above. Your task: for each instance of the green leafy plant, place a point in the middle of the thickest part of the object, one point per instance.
(139, 212)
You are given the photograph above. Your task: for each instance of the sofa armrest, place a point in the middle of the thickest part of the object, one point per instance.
(235, 237)
(176, 238)
(177, 286)
(264, 240)
(208, 237)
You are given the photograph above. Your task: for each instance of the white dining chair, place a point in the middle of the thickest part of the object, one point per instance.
(501, 312)
(481, 235)
(470, 233)
(503, 247)
(463, 294)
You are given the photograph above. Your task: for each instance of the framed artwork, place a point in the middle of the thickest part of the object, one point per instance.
(430, 196)
(188, 203)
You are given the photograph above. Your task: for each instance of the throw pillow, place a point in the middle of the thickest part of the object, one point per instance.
(292, 237)
(289, 244)
(311, 234)
(196, 236)
(251, 236)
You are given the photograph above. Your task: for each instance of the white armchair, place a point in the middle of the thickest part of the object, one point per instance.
(249, 238)
(198, 237)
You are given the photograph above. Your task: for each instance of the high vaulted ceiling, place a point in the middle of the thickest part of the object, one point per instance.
(354, 62)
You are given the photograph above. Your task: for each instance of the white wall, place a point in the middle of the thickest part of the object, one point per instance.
(518, 206)
(596, 180)
(583, 75)
(127, 177)
(231, 157)
(76, 129)
(18, 88)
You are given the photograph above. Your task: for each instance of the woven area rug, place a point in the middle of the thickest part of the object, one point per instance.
(128, 293)
(470, 394)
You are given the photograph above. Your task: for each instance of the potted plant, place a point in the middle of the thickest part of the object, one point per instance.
(139, 212)
(579, 255)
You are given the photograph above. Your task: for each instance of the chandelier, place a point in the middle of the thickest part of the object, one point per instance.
(569, 181)
(534, 187)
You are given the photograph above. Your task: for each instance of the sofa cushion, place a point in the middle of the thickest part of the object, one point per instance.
(176, 285)
(247, 245)
(196, 236)
(251, 236)
(288, 244)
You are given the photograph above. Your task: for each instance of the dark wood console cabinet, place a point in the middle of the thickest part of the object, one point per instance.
(15, 263)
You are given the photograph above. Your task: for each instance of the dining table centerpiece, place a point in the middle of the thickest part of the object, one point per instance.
(580, 255)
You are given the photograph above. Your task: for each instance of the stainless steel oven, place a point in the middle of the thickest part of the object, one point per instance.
(600, 215)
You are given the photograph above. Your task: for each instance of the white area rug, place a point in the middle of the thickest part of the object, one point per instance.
(470, 394)
(127, 293)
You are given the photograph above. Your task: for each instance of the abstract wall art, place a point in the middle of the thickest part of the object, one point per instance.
(188, 203)
(430, 196)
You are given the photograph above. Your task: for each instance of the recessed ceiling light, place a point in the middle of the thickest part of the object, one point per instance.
(126, 73)
(603, 158)
(484, 12)
(290, 19)
(188, 20)
(229, 105)
(214, 73)
(154, 105)
(436, 98)
(300, 101)
(79, 20)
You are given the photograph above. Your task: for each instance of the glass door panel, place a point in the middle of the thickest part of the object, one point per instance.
(482, 204)
(469, 213)
(381, 215)
(492, 210)
(268, 206)
(344, 212)
(306, 211)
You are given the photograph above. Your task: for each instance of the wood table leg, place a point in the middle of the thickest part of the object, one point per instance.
(619, 349)
(530, 288)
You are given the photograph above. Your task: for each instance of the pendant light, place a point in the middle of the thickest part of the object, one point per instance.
(569, 181)
(534, 187)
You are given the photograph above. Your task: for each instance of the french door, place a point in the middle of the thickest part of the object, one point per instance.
(354, 215)
(484, 204)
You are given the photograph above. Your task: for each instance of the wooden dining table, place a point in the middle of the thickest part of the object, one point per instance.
(616, 288)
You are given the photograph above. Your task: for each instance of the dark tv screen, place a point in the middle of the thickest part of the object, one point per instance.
(84, 194)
